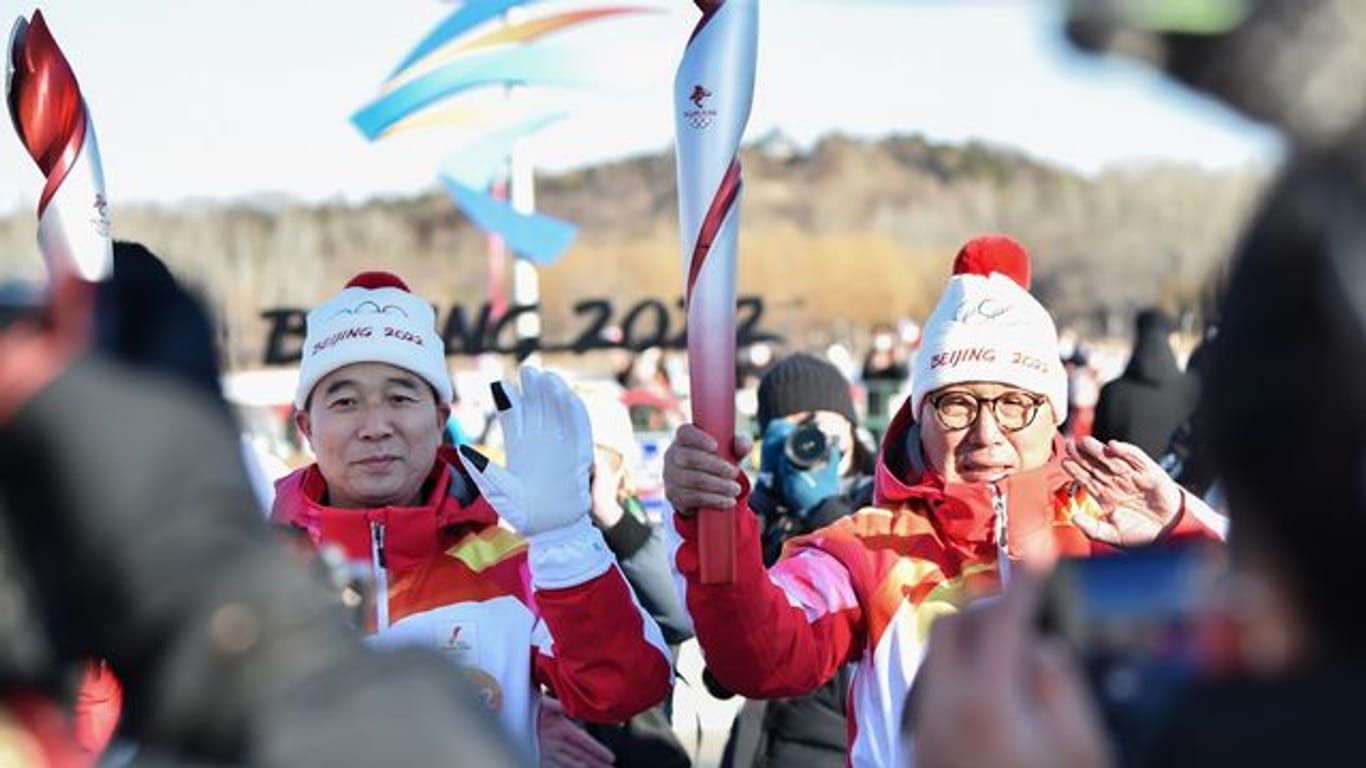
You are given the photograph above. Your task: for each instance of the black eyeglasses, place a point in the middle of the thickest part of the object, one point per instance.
(1013, 410)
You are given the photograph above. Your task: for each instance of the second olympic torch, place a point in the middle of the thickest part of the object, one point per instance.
(49, 114)
(712, 94)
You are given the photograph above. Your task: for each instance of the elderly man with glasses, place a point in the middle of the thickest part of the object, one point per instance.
(973, 480)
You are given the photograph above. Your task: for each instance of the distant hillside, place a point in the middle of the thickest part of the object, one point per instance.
(851, 233)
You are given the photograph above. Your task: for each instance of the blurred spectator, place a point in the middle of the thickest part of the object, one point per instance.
(1297, 288)
(1083, 392)
(650, 394)
(1146, 404)
(1187, 457)
(911, 334)
(647, 372)
(754, 361)
(885, 360)
(885, 370)
(839, 356)
(646, 740)
(144, 317)
(636, 542)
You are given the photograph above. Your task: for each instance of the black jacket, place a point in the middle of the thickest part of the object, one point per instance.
(126, 505)
(1150, 400)
(1310, 719)
(805, 732)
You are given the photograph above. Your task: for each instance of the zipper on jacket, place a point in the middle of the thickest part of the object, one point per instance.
(998, 503)
(381, 576)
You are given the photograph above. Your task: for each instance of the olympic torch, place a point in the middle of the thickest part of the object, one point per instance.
(49, 114)
(712, 94)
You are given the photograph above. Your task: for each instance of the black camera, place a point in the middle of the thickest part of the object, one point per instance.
(807, 446)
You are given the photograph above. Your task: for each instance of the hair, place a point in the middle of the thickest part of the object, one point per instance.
(147, 319)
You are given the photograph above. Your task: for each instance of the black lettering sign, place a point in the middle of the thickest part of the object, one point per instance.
(647, 323)
(285, 340)
(593, 337)
(460, 337)
(749, 311)
(507, 327)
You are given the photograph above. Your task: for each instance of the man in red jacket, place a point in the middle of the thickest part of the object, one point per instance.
(543, 604)
(973, 480)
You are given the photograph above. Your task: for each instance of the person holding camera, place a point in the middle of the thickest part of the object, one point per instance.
(974, 480)
(813, 470)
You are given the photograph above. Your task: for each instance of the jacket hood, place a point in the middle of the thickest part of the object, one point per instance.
(1152, 360)
(412, 534)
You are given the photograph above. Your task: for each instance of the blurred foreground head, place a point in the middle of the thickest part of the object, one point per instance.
(1286, 377)
(1287, 405)
(1297, 64)
(148, 320)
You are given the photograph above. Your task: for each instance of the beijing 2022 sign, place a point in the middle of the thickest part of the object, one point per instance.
(644, 324)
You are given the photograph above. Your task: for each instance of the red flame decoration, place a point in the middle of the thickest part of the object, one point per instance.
(45, 104)
(709, 9)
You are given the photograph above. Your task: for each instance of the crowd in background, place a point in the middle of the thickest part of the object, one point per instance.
(1133, 391)
(653, 384)
(494, 570)
(812, 465)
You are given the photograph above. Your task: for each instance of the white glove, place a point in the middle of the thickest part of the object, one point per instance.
(544, 491)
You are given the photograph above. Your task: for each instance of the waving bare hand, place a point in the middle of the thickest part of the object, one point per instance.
(1137, 497)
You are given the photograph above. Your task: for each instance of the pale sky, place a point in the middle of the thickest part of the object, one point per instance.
(199, 100)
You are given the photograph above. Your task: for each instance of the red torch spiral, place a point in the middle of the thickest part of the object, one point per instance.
(45, 104)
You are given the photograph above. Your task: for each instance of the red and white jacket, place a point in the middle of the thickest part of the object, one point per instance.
(448, 576)
(865, 589)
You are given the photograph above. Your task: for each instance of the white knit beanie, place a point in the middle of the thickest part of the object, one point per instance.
(988, 328)
(375, 319)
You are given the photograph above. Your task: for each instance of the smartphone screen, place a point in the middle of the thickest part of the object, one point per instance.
(1133, 621)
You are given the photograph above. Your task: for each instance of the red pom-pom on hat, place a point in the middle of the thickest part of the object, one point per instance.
(994, 253)
(373, 280)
